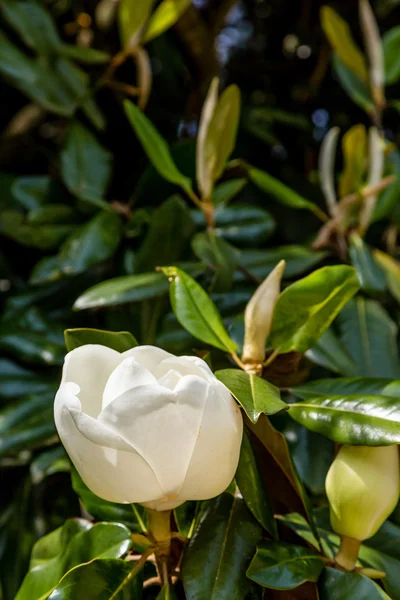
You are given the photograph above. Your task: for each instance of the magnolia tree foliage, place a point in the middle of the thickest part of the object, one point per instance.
(200, 244)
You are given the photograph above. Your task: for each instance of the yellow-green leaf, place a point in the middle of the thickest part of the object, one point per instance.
(354, 147)
(164, 17)
(391, 268)
(339, 35)
(132, 16)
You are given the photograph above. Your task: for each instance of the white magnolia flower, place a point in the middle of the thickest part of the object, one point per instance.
(147, 426)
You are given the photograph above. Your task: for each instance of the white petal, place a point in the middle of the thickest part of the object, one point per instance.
(90, 367)
(147, 356)
(115, 472)
(128, 375)
(216, 454)
(185, 365)
(162, 425)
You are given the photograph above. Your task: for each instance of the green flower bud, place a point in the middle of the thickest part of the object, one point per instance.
(363, 486)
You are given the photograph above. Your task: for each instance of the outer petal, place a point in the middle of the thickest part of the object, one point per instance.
(216, 454)
(128, 375)
(162, 425)
(147, 356)
(115, 471)
(185, 365)
(90, 367)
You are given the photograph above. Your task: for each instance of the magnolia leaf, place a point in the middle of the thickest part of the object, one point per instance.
(164, 17)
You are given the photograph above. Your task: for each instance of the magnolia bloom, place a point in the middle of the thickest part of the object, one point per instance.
(147, 426)
(362, 485)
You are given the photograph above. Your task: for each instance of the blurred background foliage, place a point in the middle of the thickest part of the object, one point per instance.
(81, 204)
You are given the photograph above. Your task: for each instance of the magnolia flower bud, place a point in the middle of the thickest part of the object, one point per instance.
(362, 485)
(258, 316)
(146, 426)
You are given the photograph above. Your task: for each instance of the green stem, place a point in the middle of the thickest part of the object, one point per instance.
(159, 525)
(348, 553)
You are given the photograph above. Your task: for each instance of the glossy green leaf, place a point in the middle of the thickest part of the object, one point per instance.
(299, 260)
(165, 16)
(281, 192)
(77, 542)
(369, 336)
(252, 488)
(27, 422)
(380, 561)
(131, 515)
(48, 463)
(155, 147)
(85, 165)
(33, 191)
(219, 256)
(225, 191)
(371, 276)
(355, 87)
(128, 288)
(299, 525)
(318, 298)
(171, 227)
(119, 341)
(31, 347)
(92, 243)
(338, 585)
(106, 578)
(354, 148)
(46, 270)
(132, 17)
(195, 310)
(331, 353)
(219, 553)
(356, 419)
(346, 386)
(391, 46)
(283, 567)
(256, 395)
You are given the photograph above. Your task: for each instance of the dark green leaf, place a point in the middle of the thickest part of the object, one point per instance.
(89, 56)
(281, 192)
(33, 191)
(391, 45)
(219, 552)
(299, 259)
(45, 237)
(131, 515)
(299, 525)
(284, 567)
(170, 229)
(225, 191)
(27, 423)
(369, 335)
(128, 288)
(219, 256)
(46, 270)
(155, 147)
(346, 386)
(355, 87)
(331, 353)
(338, 585)
(92, 243)
(85, 165)
(356, 419)
(31, 347)
(167, 593)
(372, 278)
(119, 341)
(106, 578)
(51, 214)
(195, 310)
(318, 298)
(33, 24)
(252, 488)
(254, 394)
(16, 381)
(77, 542)
(383, 562)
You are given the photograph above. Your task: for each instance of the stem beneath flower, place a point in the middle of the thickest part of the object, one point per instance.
(348, 553)
(159, 526)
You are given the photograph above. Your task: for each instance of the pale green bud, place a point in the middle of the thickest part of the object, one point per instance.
(258, 316)
(363, 486)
